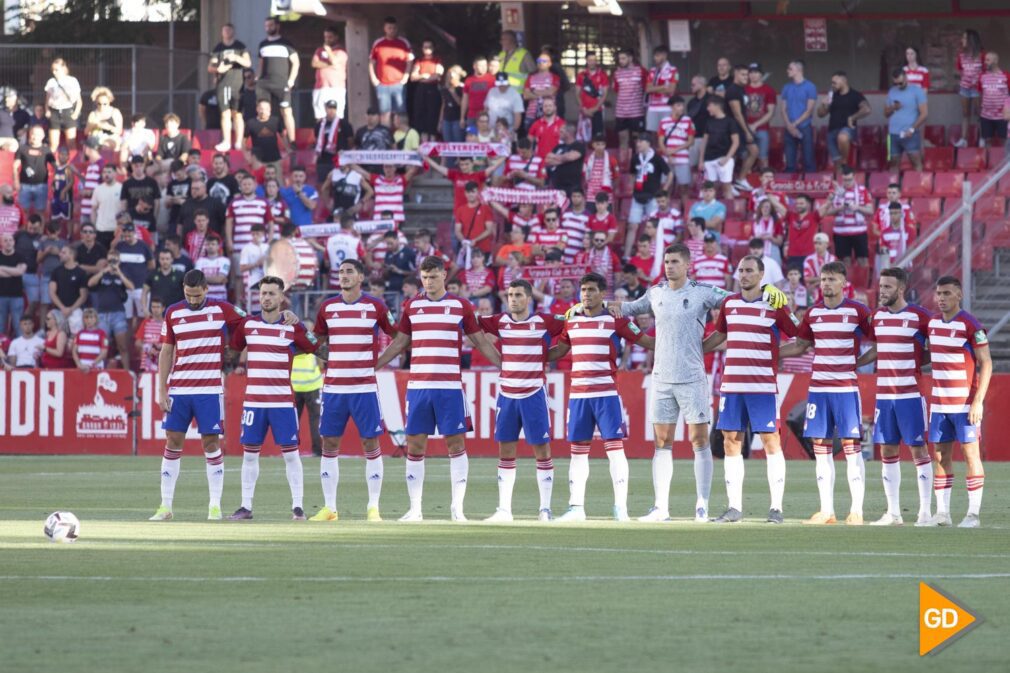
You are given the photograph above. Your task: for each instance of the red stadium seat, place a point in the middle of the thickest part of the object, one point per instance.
(927, 209)
(938, 158)
(304, 138)
(990, 207)
(859, 276)
(954, 134)
(734, 229)
(1003, 186)
(917, 183)
(740, 250)
(1000, 234)
(205, 139)
(971, 159)
(871, 136)
(982, 258)
(737, 207)
(948, 184)
(996, 156)
(935, 134)
(6, 167)
(878, 182)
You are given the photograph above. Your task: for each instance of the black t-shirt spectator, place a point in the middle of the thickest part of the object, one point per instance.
(166, 286)
(177, 188)
(842, 107)
(174, 148)
(247, 103)
(567, 176)
(133, 260)
(182, 263)
(275, 55)
(134, 190)
(110, 294)
(697, 110)
(719, 85)
(451, 109)
(12, 122)
(35, 164)
(264, 139)
(404, 259)
(223, 189)
(11, 286)
(637, 293)
(225, 54)
(211, 109)
(378, 138)
(91, 257)
(215, 209)
(653, 177)
(735, 92)
(69, 283)
(720, 139)
(27, 245)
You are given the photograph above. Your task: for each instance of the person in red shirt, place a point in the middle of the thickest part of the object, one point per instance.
(389, 69)
(593, 85)
(993, 83)
(802, 223)
(760, 109)
(643, 260)
(546, 131)
(603, 220)
(463, 174)
(475, 90)
(473, 221)
(479, 279)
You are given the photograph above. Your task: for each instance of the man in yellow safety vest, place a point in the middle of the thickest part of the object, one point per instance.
(516, 61)
(307, 381)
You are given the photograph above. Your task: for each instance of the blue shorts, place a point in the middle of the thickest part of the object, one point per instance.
(588, 413)
(763, 140)
(833, 152)
(61, 210)
(113, 323)
(897, 421)
(444, 409)
(828, 412)
(968, 93)
(391, 99)
(33, 288)
(208, 410)
(758, 411)
(282, 421)
(945, 428)
(335, 409)
(529, 414)
(34, 197)
(910, 145)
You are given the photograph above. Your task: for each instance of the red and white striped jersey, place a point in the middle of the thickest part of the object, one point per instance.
(919, 75)
(389, 195)
(378, 247)
(598, 174)
(352, 331)
(900, 338)
(670, 222)
(882, 218)
(759, 194)
(835, 333)
(662, 76)
(952, 346)
(245, 212)
(339, 247)
(92, 178)
(278, 211)
(215, 266)
(534, 166)
(753, 332)
(604, 262)
(813, 263)
(576, 226)
(897, 241)
(629, 86)
(475, 279)
(517, 220)
(149, 331)
(436, 328)
(90, 343)
(677, 133)
(854, 222)
(549, 239)
(767, 226)
(198, 336)
(711, 270)
(524, 345)
(272, 347)
(595, 343)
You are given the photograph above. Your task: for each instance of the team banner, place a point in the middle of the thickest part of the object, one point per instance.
(373, 157)
(363, 227)
(537, 273)
(815, 186)
(538, 197)
(490, 150)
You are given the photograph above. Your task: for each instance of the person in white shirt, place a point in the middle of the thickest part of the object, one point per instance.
(138, 140)
(63, 104)
(504, 102)
(26, 350)
(105, 204)
(252, 262)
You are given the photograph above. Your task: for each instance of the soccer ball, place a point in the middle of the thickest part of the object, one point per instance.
(62, 527)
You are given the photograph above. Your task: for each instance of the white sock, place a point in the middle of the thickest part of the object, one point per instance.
(329, 475)
(825, 470)
(924, 480)
(169, 475)
(890, 473)
(703, 468)
(215, 476)
(662, 475)
(506, 483)
(250, 473)
(975, 485)
(619, 474)
(733, 468)
(296, 479)
(943, 486)
(374, 471)
(415, 481)
(578, 475)
(545, 481)
(856, 473)
(459, 470)
(776, 464)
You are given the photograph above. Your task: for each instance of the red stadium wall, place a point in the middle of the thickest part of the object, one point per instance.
(113, 412)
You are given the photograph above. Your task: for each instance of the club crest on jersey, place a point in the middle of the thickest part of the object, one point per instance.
(364, 315)
(447, 310)
(904, 324)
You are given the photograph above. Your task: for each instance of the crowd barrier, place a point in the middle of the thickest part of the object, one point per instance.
(115, 412)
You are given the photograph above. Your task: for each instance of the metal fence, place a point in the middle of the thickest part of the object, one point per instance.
(148, 80)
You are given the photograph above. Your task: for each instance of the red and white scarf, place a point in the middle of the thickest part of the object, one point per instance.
(380, 157)
(606, 179)
(490, 150)
(538, 197)
(330, 137)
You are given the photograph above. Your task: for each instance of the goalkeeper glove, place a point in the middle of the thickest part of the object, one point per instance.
(775, 297)
(574, 310)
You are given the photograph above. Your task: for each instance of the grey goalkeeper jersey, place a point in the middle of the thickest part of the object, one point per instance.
(680, 327)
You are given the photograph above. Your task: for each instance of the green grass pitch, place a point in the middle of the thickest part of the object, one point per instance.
(274, 595)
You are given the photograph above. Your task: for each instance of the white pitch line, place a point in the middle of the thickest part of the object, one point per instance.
(350, 579)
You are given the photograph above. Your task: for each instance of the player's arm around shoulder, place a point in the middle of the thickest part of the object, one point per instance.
(627, 309)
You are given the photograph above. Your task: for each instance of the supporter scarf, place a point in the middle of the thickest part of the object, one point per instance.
(607, 184)
(490, 150)
(644, 168)
(538, 273)
(330, 146)
(380, 157)
(363, 227)
(538, 197)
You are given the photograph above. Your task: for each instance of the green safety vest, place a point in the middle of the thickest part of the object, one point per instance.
(305, 373)
(512, 67)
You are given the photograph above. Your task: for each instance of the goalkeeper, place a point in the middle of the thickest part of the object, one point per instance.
(679, 381)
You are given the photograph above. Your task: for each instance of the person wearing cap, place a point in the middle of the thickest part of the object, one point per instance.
(426, 100)
(593, 84)
(652, 175)
(13, 118)
(773, 270)
(504, 102)
(136, 262)
(106, 202)
(330, 63)
(373, 135)
(761, 101)
(818, 258)
(711, 266)
(140, 185)
(333, 134)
